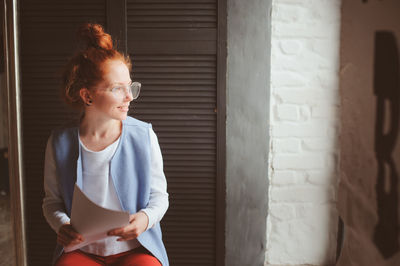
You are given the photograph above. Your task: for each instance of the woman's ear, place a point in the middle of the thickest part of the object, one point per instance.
(85, 96)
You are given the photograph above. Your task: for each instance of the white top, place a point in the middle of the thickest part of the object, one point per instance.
(98, 186)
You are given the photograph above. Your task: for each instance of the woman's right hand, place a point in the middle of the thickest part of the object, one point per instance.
(67, 236)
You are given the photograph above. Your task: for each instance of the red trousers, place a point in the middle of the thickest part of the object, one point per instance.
(136, 257)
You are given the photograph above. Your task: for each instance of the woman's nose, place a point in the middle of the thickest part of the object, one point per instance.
(128, 97)
(128, 94)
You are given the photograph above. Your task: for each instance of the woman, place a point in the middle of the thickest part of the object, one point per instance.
(115, 160)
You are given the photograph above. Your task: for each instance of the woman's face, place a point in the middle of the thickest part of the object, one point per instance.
(107, 103)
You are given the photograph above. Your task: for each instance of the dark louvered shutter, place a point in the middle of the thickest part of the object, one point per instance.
(173, 45)
(177, 57)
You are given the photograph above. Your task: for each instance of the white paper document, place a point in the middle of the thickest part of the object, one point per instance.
(93, 221)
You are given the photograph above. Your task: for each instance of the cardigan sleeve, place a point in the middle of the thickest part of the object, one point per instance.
(158, 203)
(53, 204)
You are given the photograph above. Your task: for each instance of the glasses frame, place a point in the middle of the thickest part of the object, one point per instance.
(132, 89)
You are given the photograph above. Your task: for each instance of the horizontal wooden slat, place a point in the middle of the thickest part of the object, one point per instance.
(172, 47)
(206, 13)
(172, 1)
(156, 59)
(173, 34)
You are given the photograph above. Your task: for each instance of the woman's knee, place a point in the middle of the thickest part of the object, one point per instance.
(139, 259)
(75, 258)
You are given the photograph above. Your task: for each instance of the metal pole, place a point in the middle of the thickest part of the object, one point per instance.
(10, 27)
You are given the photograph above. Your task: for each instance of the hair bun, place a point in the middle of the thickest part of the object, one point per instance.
(93, 35)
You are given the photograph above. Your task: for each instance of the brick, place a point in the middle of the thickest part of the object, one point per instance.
(277, 245)
(290, 47)
(302, 241)
(305, 210)
(302, 194)
(286, 79)
(282, 211)
(286, 145)
(319, 144)
(321, 177)
(327, 13)
(307, 96)
(301, 176)
(307, 62)
(307, 129)
(305, 113)
(280, 178)
(303, 30)
(287, 112)
(324, 49)
(325, 79)
(289, 2)
(287, 13)
(281, 162)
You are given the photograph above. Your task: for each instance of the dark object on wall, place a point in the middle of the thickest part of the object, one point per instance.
(4, 174)
(340, 238)
(387, 91)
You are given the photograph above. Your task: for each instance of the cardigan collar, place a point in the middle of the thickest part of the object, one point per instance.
(79, 169)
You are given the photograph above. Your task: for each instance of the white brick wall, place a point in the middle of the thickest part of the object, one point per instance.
(303, 159)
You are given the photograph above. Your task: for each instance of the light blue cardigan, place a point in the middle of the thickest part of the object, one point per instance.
(130, 172)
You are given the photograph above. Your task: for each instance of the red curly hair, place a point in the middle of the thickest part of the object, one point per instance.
(86, 68)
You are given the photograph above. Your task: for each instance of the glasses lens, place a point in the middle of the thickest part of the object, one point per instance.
(135, 89)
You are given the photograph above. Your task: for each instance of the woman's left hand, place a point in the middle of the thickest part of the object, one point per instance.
(137, 224)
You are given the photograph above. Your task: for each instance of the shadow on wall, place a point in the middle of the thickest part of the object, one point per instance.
(387, 91)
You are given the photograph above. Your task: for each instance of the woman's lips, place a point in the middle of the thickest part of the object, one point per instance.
(124, 108)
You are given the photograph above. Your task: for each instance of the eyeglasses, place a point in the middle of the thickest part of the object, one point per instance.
(124, 90)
